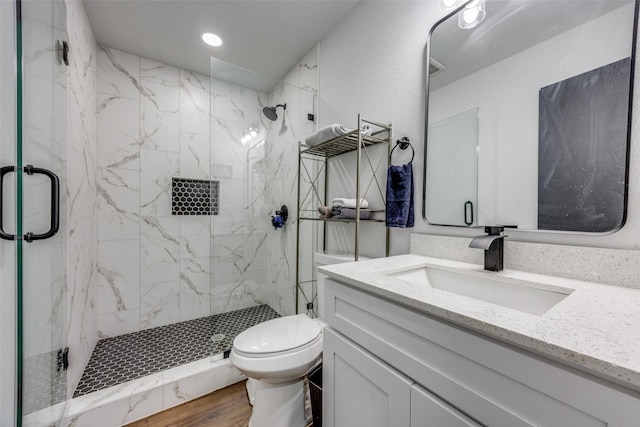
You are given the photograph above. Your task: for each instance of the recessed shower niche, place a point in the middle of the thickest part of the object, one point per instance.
(194, 196)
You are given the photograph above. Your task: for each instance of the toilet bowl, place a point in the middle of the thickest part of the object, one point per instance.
(276, 355)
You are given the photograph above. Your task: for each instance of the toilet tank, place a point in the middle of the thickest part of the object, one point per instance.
(328, 258)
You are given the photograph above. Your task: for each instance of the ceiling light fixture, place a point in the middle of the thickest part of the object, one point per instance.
(211, 39)
(450, 4)
(472, 14)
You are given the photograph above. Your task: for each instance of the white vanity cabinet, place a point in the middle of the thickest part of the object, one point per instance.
(368, 392)
(388, 365)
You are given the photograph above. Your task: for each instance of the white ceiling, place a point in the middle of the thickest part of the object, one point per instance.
(262, 39)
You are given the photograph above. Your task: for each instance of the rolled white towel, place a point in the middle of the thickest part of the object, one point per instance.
(325, 134)
(333, 131)
(349, 203)
(365, 129)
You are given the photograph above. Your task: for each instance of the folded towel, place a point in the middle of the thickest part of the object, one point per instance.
(349, 203)
(400, 196)
(325, 211)
(333, 131)
(325, 134)
(340, 212)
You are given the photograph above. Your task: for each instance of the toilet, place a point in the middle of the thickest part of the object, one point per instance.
(276, 355)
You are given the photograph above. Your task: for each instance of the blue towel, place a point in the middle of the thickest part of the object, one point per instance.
(400, 196)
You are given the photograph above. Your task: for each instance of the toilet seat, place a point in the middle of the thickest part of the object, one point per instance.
(278, 337)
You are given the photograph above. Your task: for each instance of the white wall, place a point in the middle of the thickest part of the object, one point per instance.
(373, 63)
(508, 131)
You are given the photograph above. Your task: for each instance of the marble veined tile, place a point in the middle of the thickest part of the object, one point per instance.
(156, 72)
(255, 251)
(195, 236)
(118, 204)
(228, 101)
(195, 152)
(118, 73)
(119, 275)
(195, 288)
(118, 132)
(118, 323)
(196, 379)
(159, 304)
(226, 147)
(157, 169)
(195, 103)
(159, 249)
(255, 99)
(254, 118)
(231, 205)
(117, 405)
(159, 106)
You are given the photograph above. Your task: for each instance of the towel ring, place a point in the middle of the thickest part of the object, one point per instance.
(403, 143)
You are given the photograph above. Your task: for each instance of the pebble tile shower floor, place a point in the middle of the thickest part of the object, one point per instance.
(127, 357)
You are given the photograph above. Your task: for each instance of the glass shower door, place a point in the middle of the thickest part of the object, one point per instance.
(39, 171)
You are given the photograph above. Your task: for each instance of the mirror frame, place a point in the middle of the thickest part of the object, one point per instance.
(623, 221)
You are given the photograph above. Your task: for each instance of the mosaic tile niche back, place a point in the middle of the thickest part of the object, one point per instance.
(194, 196)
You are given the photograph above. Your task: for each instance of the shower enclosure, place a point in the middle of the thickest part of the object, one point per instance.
(88, 195)
(33, 217)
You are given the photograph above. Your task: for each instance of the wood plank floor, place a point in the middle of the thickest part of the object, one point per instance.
(228, 407)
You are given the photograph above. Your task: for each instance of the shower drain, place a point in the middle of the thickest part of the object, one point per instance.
(217, 337)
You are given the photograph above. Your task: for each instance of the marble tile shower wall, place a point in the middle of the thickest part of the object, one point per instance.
(82, 214)
(299, 90)
(156, 122)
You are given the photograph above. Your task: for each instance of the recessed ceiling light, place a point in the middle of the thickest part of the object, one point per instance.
(211, 39)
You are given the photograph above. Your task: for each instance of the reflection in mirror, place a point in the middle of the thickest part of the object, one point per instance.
(452, 160)
(550, 84)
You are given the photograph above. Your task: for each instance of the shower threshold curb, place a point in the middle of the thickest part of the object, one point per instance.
(139, 398)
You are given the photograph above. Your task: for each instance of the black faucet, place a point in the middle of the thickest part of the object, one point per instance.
(493, 245)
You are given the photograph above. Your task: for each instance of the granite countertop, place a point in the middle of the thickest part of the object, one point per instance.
(596, 328)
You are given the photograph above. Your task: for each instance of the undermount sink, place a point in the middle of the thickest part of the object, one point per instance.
(523, 298)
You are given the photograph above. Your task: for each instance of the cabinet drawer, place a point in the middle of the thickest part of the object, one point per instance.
(427, 411)
(491, 382)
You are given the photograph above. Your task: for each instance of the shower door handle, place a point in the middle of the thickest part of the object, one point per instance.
(55, 204)
(468, 212)
(3, 234)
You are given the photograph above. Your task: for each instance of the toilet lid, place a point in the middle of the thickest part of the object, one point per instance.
(277, 335)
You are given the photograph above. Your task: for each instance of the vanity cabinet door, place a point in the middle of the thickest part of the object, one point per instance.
(429, 411)
(360, 390)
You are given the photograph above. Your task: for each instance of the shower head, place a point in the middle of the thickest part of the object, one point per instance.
(270, 112)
